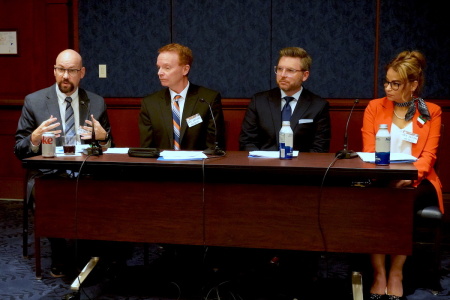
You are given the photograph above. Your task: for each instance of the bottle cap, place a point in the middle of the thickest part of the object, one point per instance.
(384, 126)
(286, 123)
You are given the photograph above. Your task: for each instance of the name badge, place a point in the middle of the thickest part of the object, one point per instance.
(410, 137)
(194, 120)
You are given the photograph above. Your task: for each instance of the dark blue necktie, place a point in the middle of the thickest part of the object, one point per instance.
(70, 122)
(286, 112)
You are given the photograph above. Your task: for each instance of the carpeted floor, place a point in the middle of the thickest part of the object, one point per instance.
(219, 273)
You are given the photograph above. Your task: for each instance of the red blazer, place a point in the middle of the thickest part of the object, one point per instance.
(380, 111)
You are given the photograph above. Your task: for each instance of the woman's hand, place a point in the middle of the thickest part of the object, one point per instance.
(401, 183)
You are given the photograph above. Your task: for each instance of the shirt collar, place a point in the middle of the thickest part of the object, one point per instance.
(296, 95)
(62, 97)
(182, 94)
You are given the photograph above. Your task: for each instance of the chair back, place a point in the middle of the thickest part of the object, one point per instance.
(439, 150)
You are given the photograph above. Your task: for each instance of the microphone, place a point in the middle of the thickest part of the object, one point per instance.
(216, 150)
(345, 153)
(95, 149)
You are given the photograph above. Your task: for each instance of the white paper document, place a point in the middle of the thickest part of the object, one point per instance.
(116, 151)
(268, 154)
(182, 155)
(394, 157)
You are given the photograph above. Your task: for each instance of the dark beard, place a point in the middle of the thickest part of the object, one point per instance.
(66, 90)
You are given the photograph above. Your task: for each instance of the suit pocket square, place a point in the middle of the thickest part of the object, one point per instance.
(304, 121)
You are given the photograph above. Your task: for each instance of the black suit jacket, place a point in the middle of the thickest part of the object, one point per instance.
(40, 105)
(156, 127)
(262, 123)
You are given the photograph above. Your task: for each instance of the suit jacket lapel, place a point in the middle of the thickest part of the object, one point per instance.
(165, 110)
(274, 106)
(53, 104)
(189, 105)
(302, 106)
(53, 109)
(84, 105)
(422, 131)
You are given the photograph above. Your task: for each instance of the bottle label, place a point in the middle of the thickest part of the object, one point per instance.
(286, 152)
(383, 144)
(382, 158)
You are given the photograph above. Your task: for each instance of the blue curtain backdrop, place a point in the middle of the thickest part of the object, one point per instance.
(236, 43)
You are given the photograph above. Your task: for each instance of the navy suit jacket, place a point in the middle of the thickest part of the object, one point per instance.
(156, 127)
(310, 123)
(40, 105)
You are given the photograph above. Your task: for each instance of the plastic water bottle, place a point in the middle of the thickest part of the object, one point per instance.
(357, 287)
(286, 141)
(382, 146)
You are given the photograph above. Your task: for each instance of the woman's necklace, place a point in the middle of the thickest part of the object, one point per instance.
(398, 116)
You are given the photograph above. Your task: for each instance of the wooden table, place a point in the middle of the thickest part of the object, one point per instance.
(232, 201)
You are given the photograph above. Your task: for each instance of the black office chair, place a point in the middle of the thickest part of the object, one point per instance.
(429, 222)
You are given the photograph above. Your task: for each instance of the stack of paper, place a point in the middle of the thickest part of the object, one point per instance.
(268, 154)
(181, 155)
(394, 158)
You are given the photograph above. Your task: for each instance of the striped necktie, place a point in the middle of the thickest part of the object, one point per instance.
(70, 122)
(286, 112)
(176, 122)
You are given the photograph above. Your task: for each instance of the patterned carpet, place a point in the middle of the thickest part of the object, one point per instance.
(136, 281)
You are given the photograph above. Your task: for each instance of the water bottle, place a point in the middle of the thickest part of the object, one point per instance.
(357, 287)
(286, 141)
(382, 146)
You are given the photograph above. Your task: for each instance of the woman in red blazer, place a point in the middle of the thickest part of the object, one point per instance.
(415, 129)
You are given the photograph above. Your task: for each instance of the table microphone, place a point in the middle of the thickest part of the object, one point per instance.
(345, 153)
(216, 150)
(95, 149)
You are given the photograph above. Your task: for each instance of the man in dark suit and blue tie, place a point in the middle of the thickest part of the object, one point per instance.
(307, 112)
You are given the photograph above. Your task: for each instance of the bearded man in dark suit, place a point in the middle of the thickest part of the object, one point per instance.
(46, 111)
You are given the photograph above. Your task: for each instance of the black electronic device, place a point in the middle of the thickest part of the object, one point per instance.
(144, 152)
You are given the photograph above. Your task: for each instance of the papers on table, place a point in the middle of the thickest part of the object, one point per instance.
(181, 155)
(394, 158)
(79, 150)
(268, 154)
(116, 151)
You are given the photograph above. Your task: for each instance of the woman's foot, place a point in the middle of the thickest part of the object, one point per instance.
(395, 286)
(379, 285)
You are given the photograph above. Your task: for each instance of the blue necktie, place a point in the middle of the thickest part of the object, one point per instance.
(176, 122)
(286, 112)
(70, 122)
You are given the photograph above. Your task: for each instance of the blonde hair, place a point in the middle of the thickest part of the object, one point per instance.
(410, 66)
(301, 53)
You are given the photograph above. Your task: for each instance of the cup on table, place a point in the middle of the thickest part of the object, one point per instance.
(69, 144)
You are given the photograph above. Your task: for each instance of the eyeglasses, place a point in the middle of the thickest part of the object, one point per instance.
(287, 71)
(394, 85)
(71, 72)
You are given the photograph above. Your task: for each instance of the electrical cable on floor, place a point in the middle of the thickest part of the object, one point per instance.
(319, 208)
(76, 222)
